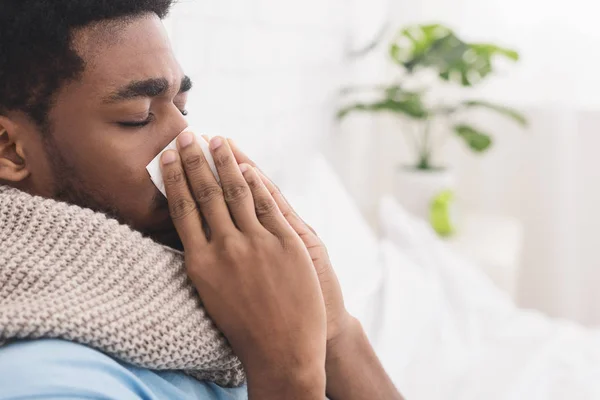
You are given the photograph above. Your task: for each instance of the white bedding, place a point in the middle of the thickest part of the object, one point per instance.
(441, 328)
(466, 339)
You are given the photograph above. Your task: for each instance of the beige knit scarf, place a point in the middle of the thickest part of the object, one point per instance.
(73, 274)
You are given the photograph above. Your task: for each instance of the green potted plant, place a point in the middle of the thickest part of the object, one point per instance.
(432, 58)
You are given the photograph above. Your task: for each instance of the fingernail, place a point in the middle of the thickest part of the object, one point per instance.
(169, 157)
(185, 139)
(215, 143)
(244, 167)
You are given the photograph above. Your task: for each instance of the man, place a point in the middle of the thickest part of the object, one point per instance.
(90, 92)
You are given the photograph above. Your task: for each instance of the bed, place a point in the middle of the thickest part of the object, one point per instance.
(441, 328)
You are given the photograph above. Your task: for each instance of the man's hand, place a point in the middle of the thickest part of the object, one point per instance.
(253, 273)
(338, 318)
(353, 369)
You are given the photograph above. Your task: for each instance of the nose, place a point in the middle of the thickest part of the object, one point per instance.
(180, 121)
(177, 124)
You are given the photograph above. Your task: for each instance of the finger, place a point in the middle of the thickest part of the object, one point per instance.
(240, 157)
(235, 188)
(207, 138)
(265, 207)
(182, 206)
(297, 223)
(206, 190)
(289, 213)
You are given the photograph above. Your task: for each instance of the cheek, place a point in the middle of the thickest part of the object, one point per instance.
(128, 186)
(132, 190)
(107, 161)
(125, 170)
(115, 170)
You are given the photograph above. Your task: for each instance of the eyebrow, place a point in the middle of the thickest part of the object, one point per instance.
(147, 88)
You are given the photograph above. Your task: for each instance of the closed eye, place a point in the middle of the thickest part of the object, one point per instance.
(137, 124)
(147, 121)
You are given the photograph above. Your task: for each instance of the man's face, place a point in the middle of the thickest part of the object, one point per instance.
(108, 125)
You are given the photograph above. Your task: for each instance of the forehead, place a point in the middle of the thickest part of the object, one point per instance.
(120, 51)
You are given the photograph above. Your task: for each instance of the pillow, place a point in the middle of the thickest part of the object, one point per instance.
(416, 239)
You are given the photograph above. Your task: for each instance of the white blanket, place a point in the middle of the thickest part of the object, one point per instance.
(441, 328)
(445, 332)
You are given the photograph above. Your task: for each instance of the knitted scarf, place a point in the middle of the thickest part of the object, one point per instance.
(74, 274)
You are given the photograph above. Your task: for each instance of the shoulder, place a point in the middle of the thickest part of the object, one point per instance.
(59, 369)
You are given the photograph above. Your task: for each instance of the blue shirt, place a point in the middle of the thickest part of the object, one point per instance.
(56, 369)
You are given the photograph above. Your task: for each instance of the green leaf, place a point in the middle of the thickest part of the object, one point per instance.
(410, 106)
(395, 92)
(475, 139)
(414, 42)
(438, 47)
(494, 50)
(506, 111)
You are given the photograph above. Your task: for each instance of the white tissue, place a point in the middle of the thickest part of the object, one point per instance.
(154, 167)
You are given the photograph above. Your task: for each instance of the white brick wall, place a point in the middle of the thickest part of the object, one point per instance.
(266, 72)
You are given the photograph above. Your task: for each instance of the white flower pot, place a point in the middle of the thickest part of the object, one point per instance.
(417, 189)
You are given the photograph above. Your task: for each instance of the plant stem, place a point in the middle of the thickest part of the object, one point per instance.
(425, 153)
(413, 137)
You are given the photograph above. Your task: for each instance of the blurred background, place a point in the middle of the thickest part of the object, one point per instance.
(510, 178)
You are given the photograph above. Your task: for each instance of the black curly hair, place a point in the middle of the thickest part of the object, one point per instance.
(36, 56)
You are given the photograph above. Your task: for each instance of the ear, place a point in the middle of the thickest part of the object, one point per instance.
(13, 168)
